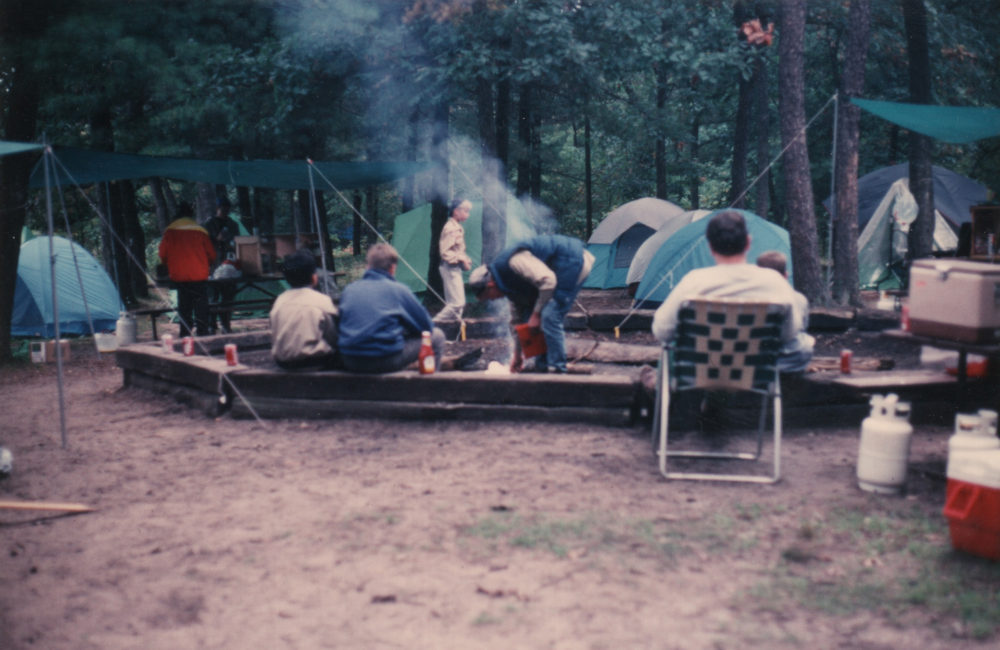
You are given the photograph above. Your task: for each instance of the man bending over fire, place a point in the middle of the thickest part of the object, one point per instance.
(541, 276)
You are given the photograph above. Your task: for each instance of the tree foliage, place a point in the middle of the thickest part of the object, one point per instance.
(642, 93)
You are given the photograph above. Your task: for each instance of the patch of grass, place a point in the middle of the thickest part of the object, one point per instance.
(662, 539)
(890, 558)
(485, 618)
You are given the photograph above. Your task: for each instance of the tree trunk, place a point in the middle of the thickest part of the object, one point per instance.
(493, 226)
(503, 125)
(20, 22)
(164, 215)
(524, 141)
(536, 154)
(762, 201)
(741, 145)
(245, 207)
(588, 174)
(661, 138)
(798, 186)
(409, 185)
(845, 225)
(694, 180)
(371, 202)
(135, 241)
(358, 225)
(921, 240)
(439, 208)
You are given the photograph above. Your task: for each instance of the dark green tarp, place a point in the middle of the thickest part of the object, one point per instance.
(957, 124)
(84, 166)
(8, 148)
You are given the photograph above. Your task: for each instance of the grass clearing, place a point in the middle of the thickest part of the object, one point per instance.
(890, 558)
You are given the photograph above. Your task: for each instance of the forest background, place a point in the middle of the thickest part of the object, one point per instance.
(574, 107)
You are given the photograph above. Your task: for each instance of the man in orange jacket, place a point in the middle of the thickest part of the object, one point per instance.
(188, 252)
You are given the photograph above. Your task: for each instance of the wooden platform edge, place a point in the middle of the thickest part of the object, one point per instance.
(272, 408)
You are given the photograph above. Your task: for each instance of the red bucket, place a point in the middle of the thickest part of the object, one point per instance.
(532, 340)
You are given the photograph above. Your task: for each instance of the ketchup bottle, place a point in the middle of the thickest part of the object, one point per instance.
(425, 360)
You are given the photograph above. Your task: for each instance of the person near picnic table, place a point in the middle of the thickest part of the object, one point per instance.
(541, 277)
(454, 260)
(733, 277)
(187, 251)
(223, 230)
(381, 320)
(303, 320)
(792, 352)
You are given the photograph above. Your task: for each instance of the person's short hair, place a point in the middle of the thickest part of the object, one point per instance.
(773, 260)
(299, 268)
(382, 256)
(184, 209)
(454, 205)
(223, 202)
(727, 233)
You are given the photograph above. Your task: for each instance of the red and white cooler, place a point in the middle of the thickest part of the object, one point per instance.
(955, 299)
(972, 506)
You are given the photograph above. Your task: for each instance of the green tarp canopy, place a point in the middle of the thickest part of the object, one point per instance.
(84, 166)
(956, 124)
(411, 237)
(8, 148)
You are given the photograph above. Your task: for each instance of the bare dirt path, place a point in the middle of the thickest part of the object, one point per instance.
(382, 534)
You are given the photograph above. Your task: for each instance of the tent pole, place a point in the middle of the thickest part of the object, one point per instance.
(55, 298)
(833, 190)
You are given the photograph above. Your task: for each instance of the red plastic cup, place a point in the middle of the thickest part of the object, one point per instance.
(232, 358)
(168, 342)
(188, 346)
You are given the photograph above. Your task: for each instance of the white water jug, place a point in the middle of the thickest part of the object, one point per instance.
(125, 329)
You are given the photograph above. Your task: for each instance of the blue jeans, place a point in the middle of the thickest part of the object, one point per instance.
(553, 317)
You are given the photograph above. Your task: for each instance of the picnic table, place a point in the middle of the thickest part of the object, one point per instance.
(989, 350)
(216, 306)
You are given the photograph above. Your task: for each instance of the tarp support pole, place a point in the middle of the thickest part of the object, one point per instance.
(55, 298)
(833, 190)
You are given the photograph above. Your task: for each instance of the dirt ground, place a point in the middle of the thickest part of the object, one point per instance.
(386, 534)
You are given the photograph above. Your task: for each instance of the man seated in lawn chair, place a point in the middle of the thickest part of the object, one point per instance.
(733, 278)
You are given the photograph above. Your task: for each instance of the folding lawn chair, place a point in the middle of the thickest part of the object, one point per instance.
(726, 345)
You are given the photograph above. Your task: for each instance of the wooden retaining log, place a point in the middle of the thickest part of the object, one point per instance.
(553, 391)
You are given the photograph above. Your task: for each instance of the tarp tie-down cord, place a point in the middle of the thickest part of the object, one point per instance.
(350, 205)
(162, 295)
(670, 273)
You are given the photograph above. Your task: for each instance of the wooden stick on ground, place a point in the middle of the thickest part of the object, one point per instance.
(44, 505)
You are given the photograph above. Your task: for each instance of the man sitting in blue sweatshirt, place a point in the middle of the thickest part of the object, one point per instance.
(381, 320)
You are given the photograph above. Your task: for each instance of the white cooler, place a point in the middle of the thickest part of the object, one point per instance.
(955, 299)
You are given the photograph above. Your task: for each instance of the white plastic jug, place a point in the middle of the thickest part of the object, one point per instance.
(885, 445)
(975, 433)
(125, 329)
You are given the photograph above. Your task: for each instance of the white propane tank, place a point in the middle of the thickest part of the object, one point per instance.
(974, 433)
(885, 445)
(125, 329)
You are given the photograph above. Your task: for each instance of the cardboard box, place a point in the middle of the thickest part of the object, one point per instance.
(45, 351)
(248, 254)
(955, 299)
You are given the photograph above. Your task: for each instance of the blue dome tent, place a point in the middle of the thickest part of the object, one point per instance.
(77, 294)
(620, 234)
(688, 249)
